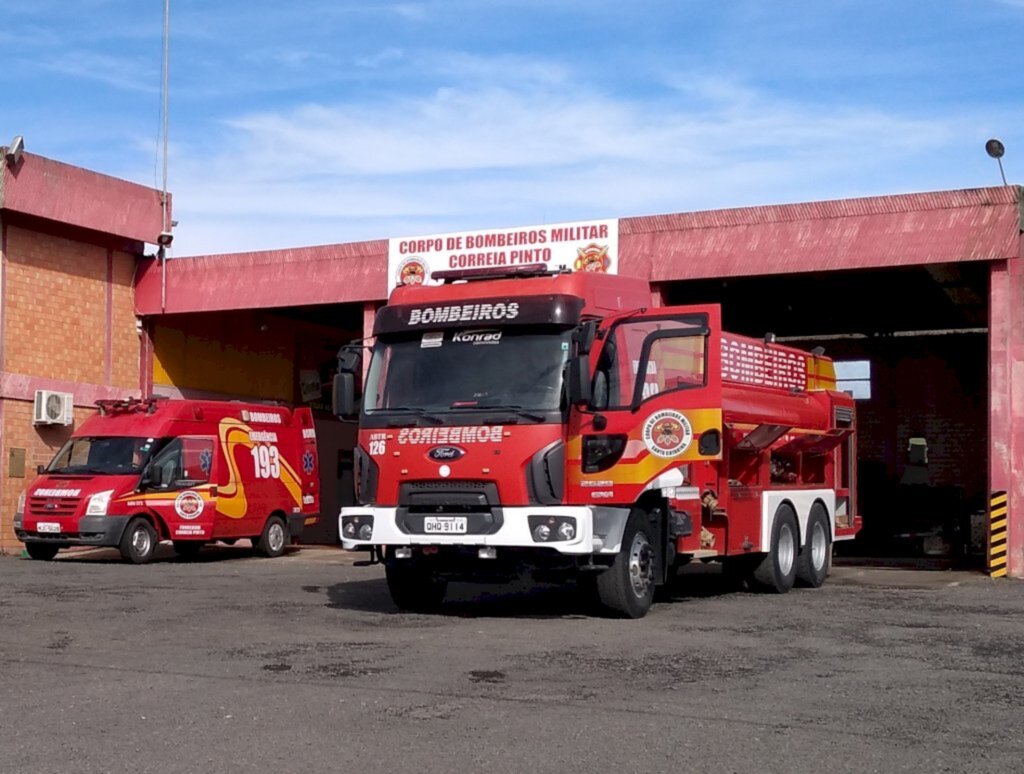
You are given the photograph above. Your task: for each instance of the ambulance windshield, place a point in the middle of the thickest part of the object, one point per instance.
(110, 455)
(459, 371)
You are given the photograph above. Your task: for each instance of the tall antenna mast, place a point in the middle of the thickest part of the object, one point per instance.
(165, 234)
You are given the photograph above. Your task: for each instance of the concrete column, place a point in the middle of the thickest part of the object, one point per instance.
(1006, 403)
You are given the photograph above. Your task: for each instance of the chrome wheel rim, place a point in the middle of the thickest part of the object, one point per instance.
(275, 537)
(641, 565)
(786, 550)
(819, 545)
(141, 542)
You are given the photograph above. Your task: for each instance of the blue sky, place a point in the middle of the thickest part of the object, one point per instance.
(320, 121)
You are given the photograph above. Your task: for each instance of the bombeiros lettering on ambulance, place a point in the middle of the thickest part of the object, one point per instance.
(262, 417)
(464, 313)
(57, 493)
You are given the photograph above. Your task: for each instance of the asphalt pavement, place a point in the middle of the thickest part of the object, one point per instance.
(302, 664)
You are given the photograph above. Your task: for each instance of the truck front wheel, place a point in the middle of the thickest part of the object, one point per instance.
(626, 589)
(414, 588)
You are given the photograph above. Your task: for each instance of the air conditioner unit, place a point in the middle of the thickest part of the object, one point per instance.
(53, 408)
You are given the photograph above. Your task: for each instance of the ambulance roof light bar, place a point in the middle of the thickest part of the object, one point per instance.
(473, 275)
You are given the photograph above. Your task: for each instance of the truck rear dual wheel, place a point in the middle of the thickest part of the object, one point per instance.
(413, 587)
(42, 552)
(816, 557)
(776, 572)
(626, 589)
(139, 541)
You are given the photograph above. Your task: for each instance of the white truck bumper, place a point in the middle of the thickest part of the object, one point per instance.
(598, 530)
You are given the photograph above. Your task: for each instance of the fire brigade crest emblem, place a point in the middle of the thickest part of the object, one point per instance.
(592, 258)
(667, 433)
(189, 505)
(413, 271)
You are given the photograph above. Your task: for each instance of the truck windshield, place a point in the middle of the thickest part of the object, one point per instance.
(110, 455)
(460, 370)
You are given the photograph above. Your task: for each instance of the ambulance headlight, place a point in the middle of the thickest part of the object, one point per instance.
(99, 503)
(21, 503)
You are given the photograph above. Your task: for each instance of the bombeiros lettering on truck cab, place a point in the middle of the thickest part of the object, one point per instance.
(188, 471)
(581, 432)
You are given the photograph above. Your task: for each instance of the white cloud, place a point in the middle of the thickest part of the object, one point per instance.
(468, 158)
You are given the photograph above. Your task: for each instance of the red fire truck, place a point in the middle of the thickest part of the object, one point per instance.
(188, 471)
(557, 423)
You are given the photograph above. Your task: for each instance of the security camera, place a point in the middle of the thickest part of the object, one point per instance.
(15, 150)
(165, 239)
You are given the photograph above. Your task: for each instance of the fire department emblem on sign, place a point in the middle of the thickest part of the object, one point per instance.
(667, 433)
(413, 271)
(592, 258)
(189, 505)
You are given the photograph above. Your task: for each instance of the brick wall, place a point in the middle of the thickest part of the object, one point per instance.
(931, 387)
(68, 314)
(40, 444)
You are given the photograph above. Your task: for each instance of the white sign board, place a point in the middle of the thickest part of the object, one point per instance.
(587, 245)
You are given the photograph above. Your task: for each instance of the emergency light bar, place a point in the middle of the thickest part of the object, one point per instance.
(473, 275)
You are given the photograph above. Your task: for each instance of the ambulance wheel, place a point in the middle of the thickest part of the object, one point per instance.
(626, 589)
(42, 552)
(274, 539)
(816, 557)
(777, 570)
(187, 549)
(138, 543)
(414, 588)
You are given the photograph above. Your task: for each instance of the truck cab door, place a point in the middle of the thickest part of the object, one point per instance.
(655, 414)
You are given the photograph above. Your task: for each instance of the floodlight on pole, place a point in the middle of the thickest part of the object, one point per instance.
(996, 149)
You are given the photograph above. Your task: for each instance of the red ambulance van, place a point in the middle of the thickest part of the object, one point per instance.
(188, 471)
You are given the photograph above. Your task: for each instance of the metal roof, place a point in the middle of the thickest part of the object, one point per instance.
(903, 230)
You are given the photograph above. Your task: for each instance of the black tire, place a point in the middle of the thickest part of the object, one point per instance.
(777, 571)
(414, 588)
(187, 549)
(816, 556)
(41, 552)
(275, 538)
(139, 541)
(626, 589)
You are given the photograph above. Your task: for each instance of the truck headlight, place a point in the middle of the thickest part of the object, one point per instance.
(98, 503)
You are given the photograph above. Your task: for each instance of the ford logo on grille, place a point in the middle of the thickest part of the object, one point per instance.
(445, 453)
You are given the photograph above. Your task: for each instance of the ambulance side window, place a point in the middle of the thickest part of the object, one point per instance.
(183, 463)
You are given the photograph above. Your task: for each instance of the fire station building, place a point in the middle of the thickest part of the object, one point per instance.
(919, 298)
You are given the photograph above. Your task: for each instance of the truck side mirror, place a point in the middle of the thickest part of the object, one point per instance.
(350, 359)
(584, 337)
(578, 381)
(344, 395)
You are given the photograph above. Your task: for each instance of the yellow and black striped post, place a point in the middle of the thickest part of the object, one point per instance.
(997, 536)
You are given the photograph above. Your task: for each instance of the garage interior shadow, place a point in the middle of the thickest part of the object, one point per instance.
(916, 341)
